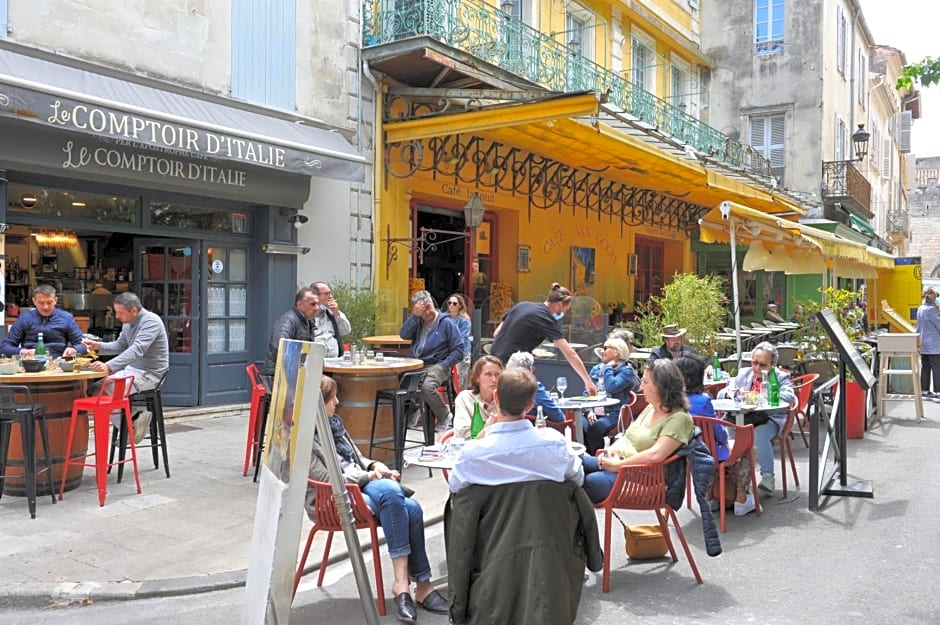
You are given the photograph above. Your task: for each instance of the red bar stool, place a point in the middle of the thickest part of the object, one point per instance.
(259, 401)
(114, 395)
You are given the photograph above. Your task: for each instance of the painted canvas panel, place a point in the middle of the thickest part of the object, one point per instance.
(286, 398)
(582, 268)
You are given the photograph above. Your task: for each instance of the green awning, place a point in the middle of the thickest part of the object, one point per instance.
(862, 225)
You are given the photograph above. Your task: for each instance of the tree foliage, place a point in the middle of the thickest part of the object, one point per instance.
(924, 73)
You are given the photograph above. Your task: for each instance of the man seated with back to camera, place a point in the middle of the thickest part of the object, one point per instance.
(513, 450)
(526, 361)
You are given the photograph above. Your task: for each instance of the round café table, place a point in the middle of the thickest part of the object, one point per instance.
(575, 407)
(55, 390)
(356, 386)
(388, 344)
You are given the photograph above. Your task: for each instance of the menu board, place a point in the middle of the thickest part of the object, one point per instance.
(847, 352)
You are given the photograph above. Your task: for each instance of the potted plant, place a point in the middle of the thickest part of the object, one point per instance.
(362, 306)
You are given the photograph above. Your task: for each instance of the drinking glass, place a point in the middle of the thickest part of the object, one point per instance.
(561, 384)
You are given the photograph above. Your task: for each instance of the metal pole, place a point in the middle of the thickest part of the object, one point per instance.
(323, 431)
(734, 291)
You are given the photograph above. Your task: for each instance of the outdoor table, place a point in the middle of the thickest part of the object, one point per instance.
(55, 391)
(388, 344)
(739, 410)
(356, 387)
(575, 407)
(446, 460)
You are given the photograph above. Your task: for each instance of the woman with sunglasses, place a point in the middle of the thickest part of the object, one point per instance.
(459, 308)
(620, 379)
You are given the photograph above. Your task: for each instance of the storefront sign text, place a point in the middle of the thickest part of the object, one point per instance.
(455, 190)
(118, 125)
(78, 157)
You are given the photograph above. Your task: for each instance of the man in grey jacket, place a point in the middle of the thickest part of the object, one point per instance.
(295, 324)
(141, 350)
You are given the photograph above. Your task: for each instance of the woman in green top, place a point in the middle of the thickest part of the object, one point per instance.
(663, 427)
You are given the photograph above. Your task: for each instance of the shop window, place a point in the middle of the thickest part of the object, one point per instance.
(226, 300)
(172, 215)
(95, 207)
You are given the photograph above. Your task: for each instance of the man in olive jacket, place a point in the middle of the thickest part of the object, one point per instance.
(516, 552)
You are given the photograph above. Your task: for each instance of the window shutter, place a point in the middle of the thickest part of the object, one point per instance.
(757, 133)
(886, 158)
(862, 78)
(263, 52)
(4, 19)
(905, 119)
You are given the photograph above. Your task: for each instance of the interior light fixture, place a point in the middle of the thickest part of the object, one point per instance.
(55, 239)
(279, 248)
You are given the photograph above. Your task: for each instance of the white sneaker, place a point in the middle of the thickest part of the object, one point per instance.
(740, 509)
(767, 483)
(141, 425)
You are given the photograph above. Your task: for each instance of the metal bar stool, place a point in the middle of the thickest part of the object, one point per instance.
(17, 408)
(408, 394)
(153, 400)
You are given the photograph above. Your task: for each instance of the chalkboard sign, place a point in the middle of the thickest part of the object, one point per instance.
(847, 351)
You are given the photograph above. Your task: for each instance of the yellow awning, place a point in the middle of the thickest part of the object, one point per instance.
(492, 118)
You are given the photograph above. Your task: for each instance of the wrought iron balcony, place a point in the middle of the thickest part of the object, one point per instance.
(489, 34)
(897, 222)
(843, 184)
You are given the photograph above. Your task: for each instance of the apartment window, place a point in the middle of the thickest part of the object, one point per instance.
(768, 26)
(862, 79)
(841, 40)
(682, 87)
(263, 52)
(643, 64)
(767, 137)
(840, 140)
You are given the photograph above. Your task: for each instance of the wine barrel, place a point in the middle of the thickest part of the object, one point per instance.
(356, 402)
(56, 397)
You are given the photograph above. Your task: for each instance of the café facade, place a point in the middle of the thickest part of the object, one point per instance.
(110, 182)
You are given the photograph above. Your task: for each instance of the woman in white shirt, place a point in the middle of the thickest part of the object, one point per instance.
(482, 388)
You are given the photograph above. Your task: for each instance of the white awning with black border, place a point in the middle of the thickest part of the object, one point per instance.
(64, 97)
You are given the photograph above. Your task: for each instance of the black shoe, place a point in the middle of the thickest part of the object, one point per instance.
(436, 603)
(405, 605)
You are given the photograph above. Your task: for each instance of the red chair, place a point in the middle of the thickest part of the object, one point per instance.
(259, 398)
(786, 449)
(327, 520)
(114, 395)
(743, 444)
(643, 487)
(803, 387)
(711, 389)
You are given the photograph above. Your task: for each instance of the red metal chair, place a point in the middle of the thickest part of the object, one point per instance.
(743, 445)
(327, 520)
(803, 387)
(114, 395)
(259, 398)
(643, 487)
(711, 389)
(786, 449)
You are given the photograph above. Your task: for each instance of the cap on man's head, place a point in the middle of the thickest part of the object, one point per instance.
(771, 304)
(672, 330)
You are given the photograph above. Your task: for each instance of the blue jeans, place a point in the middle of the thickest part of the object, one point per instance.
(597, 482)
(402, 520)
(763, 434)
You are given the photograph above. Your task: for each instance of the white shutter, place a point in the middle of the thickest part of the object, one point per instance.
(886, 158)
(757, 134)
(777, 151)
(905, 120)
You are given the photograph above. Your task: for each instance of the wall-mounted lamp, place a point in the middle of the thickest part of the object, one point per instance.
(28, 200)
(428, 239)
(279, 248)
(860, 138)
(299, 220)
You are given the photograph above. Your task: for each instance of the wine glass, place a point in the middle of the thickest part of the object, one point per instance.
(561, 384)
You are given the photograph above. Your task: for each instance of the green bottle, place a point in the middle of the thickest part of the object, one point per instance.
(477, 423)
(716, 367)
(773, 387)
(40, 348)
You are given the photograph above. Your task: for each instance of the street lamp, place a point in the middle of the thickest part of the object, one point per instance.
(506, 6)
(473, 211)
(860, 138)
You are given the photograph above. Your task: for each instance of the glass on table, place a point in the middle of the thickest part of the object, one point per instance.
(562, 385)
(370, 355)
(379, 357)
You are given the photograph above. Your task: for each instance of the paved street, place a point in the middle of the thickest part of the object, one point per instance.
(851, 562)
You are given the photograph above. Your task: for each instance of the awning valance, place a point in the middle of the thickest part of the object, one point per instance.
(77, 100)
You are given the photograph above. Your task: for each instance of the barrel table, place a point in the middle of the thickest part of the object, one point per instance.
(388, 344)
(356, 386)
(55, 390)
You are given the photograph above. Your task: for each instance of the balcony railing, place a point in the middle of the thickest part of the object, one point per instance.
(897, 222)
(491, 35)
(843, 183)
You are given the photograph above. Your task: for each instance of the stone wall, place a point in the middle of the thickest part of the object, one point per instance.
(924, 214)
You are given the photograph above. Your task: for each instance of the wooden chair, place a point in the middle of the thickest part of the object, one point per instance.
(743, 445)
(327, 520)
(803, 388)
(643, 487)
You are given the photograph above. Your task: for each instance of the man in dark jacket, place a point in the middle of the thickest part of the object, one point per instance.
(436, 340)
(672, 346)
(516, 552)
(296, 324)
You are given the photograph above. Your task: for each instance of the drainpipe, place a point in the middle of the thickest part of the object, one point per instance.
(852, 69)
(378, 166)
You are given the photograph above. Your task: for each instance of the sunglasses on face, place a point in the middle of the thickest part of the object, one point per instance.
(453, 303)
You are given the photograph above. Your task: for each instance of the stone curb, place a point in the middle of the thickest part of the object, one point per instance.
(42, 595)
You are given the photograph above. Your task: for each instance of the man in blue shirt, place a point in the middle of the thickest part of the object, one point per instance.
(525, 360)
(513, 450)
(60, 334)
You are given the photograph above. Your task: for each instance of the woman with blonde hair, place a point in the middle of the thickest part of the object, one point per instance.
(619, 378)
(527, 324)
